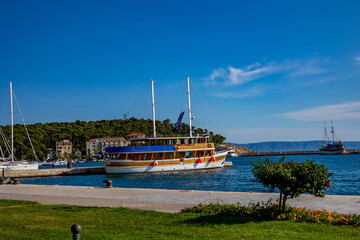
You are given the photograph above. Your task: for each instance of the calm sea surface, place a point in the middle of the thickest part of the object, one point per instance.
(236, 179)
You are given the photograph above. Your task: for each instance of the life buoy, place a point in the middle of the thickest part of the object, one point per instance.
(212, 159)
(155, 163)
(176, 148)
(199, 160)
(209, 145)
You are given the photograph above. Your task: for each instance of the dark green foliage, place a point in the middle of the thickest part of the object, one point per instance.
(292, 178)
(269, 211)
(46, 135)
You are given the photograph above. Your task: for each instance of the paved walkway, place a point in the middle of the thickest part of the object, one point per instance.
(162, 200)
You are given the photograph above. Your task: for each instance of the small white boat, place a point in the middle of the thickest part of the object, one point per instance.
(331, 147)
(11, 164)
(232, 152)
(19, 165)
(60, 162)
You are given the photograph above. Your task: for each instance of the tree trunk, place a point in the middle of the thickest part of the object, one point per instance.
(280, 201)
(284, 203)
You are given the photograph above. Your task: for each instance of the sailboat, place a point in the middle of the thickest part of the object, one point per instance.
(11, 164)
(331, 147)
(163, 154)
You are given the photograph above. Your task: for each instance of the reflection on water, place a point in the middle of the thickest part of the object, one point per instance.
(236, 179)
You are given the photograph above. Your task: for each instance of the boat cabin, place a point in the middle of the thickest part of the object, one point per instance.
(164, 149)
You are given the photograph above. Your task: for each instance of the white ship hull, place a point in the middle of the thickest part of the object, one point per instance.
(20, 166)
(165, 165)
(336, 152)
(233, 154)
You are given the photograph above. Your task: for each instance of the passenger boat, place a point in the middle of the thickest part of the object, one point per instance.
(160, 154)
(331, 147)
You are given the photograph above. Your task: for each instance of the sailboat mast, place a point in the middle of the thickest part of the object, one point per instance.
(12, 123)
(326, 137)
(188, 93)
(153, 106)
(332, 131)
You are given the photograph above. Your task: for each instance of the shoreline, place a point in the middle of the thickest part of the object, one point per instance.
(162, 200)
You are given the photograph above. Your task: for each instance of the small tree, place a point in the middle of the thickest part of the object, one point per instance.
(292, 178)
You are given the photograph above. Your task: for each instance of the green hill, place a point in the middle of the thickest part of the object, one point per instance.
(45, 135)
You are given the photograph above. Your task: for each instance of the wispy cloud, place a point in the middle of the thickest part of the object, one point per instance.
(250, 92)
(345, 111)
(357, 60)
(290, 68)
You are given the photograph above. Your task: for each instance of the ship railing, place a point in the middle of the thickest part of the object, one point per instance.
(174, 136)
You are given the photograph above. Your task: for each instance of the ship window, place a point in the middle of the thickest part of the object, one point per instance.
(179, 141)
(122, 156)
(200, 153)
(137, 156)
(147, 156)
(192, 141)
(180, 154)
(188, 154)
(169, 155)
(159, 156)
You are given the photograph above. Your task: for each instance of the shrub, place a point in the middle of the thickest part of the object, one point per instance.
(269, 211)
(292, 178)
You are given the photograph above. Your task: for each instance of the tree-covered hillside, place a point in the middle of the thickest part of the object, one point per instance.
(46, 135)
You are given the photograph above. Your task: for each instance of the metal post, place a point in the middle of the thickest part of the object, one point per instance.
(188, 93)
(153, 106)
(12, 123)
(76, 229)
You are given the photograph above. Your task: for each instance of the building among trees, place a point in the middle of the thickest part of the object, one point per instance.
(78, 153)
(51, 155)
(64, 148)
(98, 145)
(135, 136)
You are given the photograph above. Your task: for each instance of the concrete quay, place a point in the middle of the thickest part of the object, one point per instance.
(162, 200)
(55, 172)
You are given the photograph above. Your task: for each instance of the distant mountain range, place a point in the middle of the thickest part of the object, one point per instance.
(293, 146)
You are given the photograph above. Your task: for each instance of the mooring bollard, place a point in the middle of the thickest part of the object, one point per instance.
(76, 229)
(69, 163)
(108, 183)
(16, 181)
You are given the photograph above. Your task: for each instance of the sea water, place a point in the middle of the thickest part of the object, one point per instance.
(346, 178)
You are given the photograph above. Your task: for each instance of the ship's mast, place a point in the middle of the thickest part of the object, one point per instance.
(12, 123)
(332, 131)
(153, 106)
(188, 93)
(326, 136)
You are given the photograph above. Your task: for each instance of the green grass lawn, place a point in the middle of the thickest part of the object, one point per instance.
(29, 220)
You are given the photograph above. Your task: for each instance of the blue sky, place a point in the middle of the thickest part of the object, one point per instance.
(265, 70)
